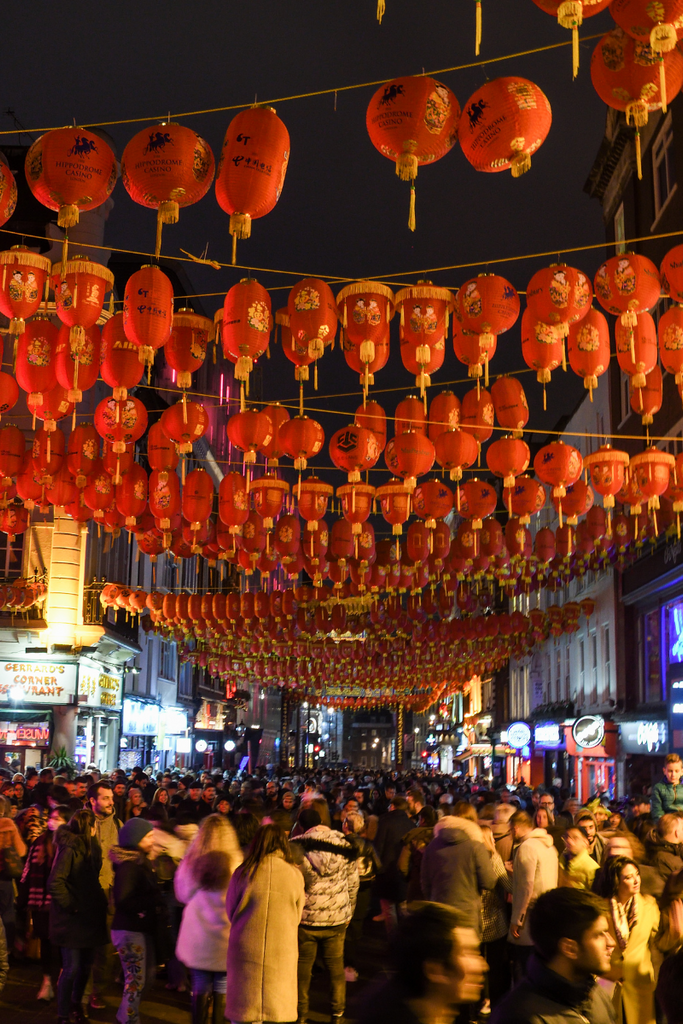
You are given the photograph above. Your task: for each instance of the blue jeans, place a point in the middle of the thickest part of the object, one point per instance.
(135, 954)
(76, 967)
(206, 982)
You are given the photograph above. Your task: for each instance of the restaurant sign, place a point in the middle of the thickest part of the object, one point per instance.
(37, 682)
(97, 687)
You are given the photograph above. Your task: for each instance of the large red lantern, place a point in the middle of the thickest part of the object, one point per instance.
(559, 295)
(503, 123)
(471, 351)
(252, 168)
(456, 450)
(525, 498)
(670, 331)
(80, 286)
(184, 423)
(651, 470)
(164, 497)
(508, 457)
(35, 364)
(558, 465)
(444, 414)
(478, 499)
(366, 309)
(98, 493)
(412, 121)
(131, 494)
(542, 348)
(269, 494)
(313, 497)
(121, 423)
(570, 15)
(510, 404)
(69, 170)
(272, 449)
(77, 363)
(83, 452)
(432, 500)
(372, 417)
(409, 455)
(12, 449)
(658, 24)
(410, 415)
(394, 499)
(247, 323)
(354, 449)
(301, 439)
(8, 192)
(120, 366)
(628, 75)
(313, 317)
(167, 167)
(356, 504)
(249, 430)
(577, 501)
(477, 415)
(22, 284)
(185, 350)
(424, 325)
(637, 348)
(161, 451)
(296, 351)
(628, 284)
(647, 401)
(233, 501)
(197, 498)
(9, 392)
(607, 467)
(671, 273)
(488, 305)
(148, 311)
(588, 348)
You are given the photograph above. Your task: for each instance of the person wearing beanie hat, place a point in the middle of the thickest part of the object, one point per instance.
(138, 914)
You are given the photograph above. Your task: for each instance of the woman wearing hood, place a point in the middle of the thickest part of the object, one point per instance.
(138, 913)
(78, 910)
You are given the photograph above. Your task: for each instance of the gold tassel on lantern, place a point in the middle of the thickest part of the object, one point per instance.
(240, 227)
(637, 112)
(381, 8)
(477, 28)
(570, 15)
(411, 212)
(520, 164)
(167, 213)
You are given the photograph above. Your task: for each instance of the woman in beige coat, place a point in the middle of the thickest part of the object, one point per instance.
(635, 924)
(264, 904)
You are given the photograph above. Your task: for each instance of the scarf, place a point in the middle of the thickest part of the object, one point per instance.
(624, 918)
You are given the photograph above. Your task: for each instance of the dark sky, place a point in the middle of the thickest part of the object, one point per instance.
(343, 211)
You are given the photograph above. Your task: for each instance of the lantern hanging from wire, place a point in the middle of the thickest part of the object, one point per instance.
(510, 404)
(637, 349)
(570, 14)
(8, 191)
(164, 168)
(314, 495)
(302, 438)
(372, 416)
(247, 323)
(670, 331)
(412, 121)
(120, 366)
(477, 415)
(508, 458)
(395, 501)
(410, 415)
(651, 470)
(646, 401)
(148, 312)
(626, 285)
(424, 311)
(35, 360)
(249, 430)
(120, 423)
(444, 414)
(366, 309)
(607, 468)
(671, 274)
(184, 423)
(77, 364)
(161, 450)
(409, 455)
(273, 450)
(488, 305)
(559, 295)
(542, 348)
(233, 501)
(313, 317)
(588, 348)
(185, 350)
(354, 449)
(80, 286)
(269, 494)
(131, 495)
(22, 284)
(658, 24)
(558, 465)
(525, 498)
(252, 169)
(469, 351)
(503, 124)
(629, 75)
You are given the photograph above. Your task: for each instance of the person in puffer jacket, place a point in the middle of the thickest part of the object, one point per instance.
(328, 863)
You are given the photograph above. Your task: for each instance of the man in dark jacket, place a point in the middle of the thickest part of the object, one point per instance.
(456, 867)
(391, 885)
(665, 845)
(572, 945)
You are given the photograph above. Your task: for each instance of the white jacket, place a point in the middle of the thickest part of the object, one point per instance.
(535, 868)
(205, 929)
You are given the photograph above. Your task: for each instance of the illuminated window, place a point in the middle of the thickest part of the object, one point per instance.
(167, 660)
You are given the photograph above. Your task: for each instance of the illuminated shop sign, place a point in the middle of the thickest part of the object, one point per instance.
(589, 731)
(140, 719)
(518, 735)
(676, 716)
(37, 682)
(24, 734)
(548, 735)
(644, 737)
(676, 633)
(98, 688)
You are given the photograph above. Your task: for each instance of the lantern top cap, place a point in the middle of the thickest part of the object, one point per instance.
(614, 454)
(424, 290)
(363, 287)
(22, 254)
(653, 455)
(358, 488)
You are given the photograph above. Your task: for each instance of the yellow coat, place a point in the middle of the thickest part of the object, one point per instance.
(579, 872)
(634, 998)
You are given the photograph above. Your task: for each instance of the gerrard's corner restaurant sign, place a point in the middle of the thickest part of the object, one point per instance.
(37, 682)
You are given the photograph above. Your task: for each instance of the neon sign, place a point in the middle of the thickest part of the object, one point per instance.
(676, 633)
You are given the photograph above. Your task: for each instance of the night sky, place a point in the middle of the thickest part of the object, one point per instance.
(343, 211)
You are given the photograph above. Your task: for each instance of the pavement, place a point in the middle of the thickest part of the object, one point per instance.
(18, 1004)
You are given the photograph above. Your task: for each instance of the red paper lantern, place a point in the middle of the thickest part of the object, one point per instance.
(197, 498)
(272, 449)
(409, 455)
(627, 285)
(148, 311)
(637, 348)
(444, 414)
(478, 499)
(233, 501)
(456, 450)
(98, 493)
(247, 323)
(366, 309)
(69, 170)
(22, 284)
(287, 535)
(161, 451)
(545, 547)
(476, 414)
(252, 168)
(559, 295)
(80, 286)
(249, 430)
(647, 401)
(35, 363)
(508, 457)
(120, 366)
(558, 465)
(184, 423)
(394, 499)
(424, 325)
(12, 449)
(412, 121)
(671, 273)
(131, 494)
(651, 470)
(670, 331)
(83, 452)
(9, 392)
(542, 348)
(313, 316)
(607, 468)
(432, 500)
(354, 449)
(571, 15)
(525, 498)
(164, 497)
(8, 192)
(577, 501)
(588, 348)
(121, 423)
(185, 350)
(488, 305)
(356, 504)
(410, 415)
(166, 167)
(503, 123)
(313, 496)
(77, 363)
(48, 451)
(471, 351)
(629, 75)
(372, 417)
(510, 404)
(301, 439)
(14, 520)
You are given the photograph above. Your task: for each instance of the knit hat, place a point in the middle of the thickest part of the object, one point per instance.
(132, 832)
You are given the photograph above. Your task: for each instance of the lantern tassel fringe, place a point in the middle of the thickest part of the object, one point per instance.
(411, 213)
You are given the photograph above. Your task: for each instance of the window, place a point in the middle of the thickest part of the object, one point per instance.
(363, 745)
(582, 671)
(185, 679)
(167, 661)
(625, 396)
(607, 670)
(620, 230)
(653, 659)
(558, 673)
(593, 641)
(664, 174)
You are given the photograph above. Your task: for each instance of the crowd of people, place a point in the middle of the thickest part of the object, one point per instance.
(510, 905)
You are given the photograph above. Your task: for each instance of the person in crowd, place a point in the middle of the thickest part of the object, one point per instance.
(669, 988)
(635, 925)
(201, 883)
(494, 929)
(119, 791)
(78, 910)
(415, 799)
(572, 946)
(137, 927)
(101, 800)
(288, 803)
(667, 795)
(602, 817)
(12, 850)
(327, 862)
(391, 886)
(264, 903)
(222, 804)
(577, 867)
(502, 832)
(34, 880)
(456, 866)
(535, 870)
(596, 842)
(414, 845)
(665, 847)
(161, 797)
(135, 803)
(569, 809)
(436, 968)
(367, 865)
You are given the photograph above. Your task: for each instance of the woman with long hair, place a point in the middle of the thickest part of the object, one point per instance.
(264, 904)
(635, 924)
(201, 883)
(10, 840)
(78, 910)
(135, 803)
(161, 797)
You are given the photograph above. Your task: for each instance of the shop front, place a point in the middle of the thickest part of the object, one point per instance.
(174, 740)
(517, 739)
(100, 692)
(551, 765)
(643, 744)
(139, 731)
(209, 735)
(592, 742)
(37, 711)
